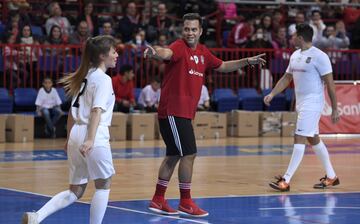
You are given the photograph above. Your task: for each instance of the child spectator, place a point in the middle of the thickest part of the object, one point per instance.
(48, 106)
(150, 96)
(124, 89)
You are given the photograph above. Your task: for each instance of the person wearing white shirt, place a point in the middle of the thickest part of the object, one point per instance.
(48, 106)
(204, 101)
(150, 96)
(88, 147)
(310, 68)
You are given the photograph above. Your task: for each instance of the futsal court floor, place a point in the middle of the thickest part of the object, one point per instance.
(230, 181)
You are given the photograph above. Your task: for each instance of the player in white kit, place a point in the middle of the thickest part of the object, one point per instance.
(88, 147)
(310, 68)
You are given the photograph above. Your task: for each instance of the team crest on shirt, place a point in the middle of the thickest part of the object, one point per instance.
(194, 58)
(308, 59)
(202, 59)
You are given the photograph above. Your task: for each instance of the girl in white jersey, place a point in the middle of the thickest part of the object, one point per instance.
(87, 146)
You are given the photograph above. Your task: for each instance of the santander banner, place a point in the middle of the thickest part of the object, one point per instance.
(348, 97)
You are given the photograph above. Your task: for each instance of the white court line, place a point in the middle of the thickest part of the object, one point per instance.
(118, 208)
(253, 195)
(310, 207)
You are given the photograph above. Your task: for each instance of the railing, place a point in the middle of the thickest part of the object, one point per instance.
(27, 65)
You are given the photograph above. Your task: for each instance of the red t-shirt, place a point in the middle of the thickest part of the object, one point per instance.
(123, 91)
(183, 79)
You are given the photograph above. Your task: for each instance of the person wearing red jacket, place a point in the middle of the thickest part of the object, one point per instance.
(124, 89)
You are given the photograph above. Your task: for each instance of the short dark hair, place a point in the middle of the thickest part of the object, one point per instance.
(125, 68)
(156, 79)
(193, 16)
(315, 11)
(305, 31)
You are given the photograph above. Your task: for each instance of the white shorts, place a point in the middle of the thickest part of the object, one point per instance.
(308, 123)
(97, 164)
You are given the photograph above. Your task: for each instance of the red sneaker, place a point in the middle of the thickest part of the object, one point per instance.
(162, 207)
(188, 208)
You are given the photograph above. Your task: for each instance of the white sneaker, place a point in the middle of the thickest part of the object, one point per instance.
(30, 218)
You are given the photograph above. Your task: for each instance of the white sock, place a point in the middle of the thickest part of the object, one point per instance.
(297, 155)
(59, 201)
(98, 205)
(323, 154)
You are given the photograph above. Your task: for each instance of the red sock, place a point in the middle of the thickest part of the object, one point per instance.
(161, 187)
(185, 190)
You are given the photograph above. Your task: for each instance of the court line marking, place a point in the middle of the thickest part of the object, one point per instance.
(309, 207)
(114, 207)
(252, 195)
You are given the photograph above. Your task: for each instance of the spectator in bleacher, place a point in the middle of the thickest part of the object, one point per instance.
(159, 24)
(15, 21)
(318, 26)
(259, 40)
(124, 89)
(162, 40)
(14, 71)
(130, 22)
(204, 101)
(150, 96)
(91, 19)
(57, 19)
(299, 18)
(229, 11)
(138, 41)
(240, 33)
(81, 35)
(280, 40)
(30, 53)
(277, 20)
(55, 38)
(351, 14)
(48, 106)
(334, 38)
(266, 24)
(107, 28)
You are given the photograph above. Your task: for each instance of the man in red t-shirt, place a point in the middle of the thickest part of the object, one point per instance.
(124, 89)
(186, 62)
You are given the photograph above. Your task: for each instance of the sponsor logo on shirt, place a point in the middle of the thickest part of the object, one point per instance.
(193, 72)
(298, 70)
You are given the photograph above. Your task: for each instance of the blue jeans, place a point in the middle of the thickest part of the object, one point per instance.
(51, 116)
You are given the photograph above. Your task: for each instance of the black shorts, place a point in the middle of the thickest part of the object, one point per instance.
(178, 135)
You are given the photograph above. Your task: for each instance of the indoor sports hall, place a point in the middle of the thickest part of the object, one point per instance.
(241, 142)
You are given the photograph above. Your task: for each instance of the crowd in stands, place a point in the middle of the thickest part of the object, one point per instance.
(135, 24)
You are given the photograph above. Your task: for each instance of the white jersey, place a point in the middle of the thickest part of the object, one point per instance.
(98, 93)
(307, 67)
(204, 95)
(149, 97)
(48, 99)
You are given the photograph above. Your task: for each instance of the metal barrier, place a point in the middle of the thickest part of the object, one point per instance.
(27, 65)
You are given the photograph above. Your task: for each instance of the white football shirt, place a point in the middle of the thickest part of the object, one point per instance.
(47, 99)
(307, 67)
(98, 93)
(149, 97)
